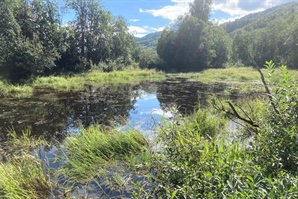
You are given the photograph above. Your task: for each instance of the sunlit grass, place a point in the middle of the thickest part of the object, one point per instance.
(229, 75)
(89, 154)
(23, 177)
(66, 84)
(22, 174)
(15, 91)
(240, 74)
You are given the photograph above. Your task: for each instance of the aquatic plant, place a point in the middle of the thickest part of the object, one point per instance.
(22, 144)
(24, 177)
(89, 154)
(22, 173)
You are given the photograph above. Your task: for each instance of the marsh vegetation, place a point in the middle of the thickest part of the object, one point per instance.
(191, 152)
(86, 113)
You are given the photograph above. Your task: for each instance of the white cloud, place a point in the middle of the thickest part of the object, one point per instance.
(239, 8)
(170, 12)
(134, 20)
(221, 21)
(235, 8)
(144, 30)
(154, 29)
(161, 112)
(137, 31)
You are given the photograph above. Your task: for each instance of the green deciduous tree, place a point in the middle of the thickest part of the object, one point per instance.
(197, 43)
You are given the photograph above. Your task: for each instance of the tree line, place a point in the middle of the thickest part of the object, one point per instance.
(35, 41)
(194, 43)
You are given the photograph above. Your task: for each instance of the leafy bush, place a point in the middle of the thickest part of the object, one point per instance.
(278, 136)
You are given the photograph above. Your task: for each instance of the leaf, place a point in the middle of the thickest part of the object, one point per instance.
(174, 193)
(250, 178)
(208, 174)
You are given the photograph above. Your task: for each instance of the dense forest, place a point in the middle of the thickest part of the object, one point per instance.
(194, 43)
(269, 35)
(34, 41)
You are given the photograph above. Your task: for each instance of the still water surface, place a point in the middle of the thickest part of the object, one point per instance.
(55, 115)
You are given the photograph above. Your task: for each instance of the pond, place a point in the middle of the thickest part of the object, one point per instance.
(55, 115)
(140, 106)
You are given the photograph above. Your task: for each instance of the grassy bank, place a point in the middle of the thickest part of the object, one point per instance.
(240, 74)
(198, 160)
(78, 82)
(240, 80)
(15, 91)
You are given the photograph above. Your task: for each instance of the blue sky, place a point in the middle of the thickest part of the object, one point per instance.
(147, 16)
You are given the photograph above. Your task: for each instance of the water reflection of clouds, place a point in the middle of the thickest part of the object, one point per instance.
(162, 112)
(146, 96)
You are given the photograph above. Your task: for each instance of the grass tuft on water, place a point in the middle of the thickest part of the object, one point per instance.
(20, 144)
(23, 177)
(89, 154)
(22, 174)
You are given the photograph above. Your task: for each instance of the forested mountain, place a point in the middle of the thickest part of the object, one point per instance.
(149, 40)
(261, 19)
(268, 35)
(33, 41)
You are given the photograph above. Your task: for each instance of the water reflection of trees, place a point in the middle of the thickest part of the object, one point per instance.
(104, 105)
(54, 116)
(186, 95)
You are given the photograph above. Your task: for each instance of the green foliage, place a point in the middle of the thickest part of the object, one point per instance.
(278, 135)
(88, 155)
(34, 42)
(200, 160)
(196, 44)
(271, 34)
(200, 9)
(148, 58)
(15, 91)
(23, 175)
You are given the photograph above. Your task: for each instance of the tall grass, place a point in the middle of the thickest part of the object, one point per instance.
(15, 91)
(239, 74)
(78, 82)
(229, 75)
(23, 177)
(89, 154)
(22, 174)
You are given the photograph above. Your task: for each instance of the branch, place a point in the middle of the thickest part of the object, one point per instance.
(236, 114)
(263, 81)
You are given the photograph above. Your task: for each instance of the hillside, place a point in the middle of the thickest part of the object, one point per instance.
(268, 35)
(149, 40)
(262, 19)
